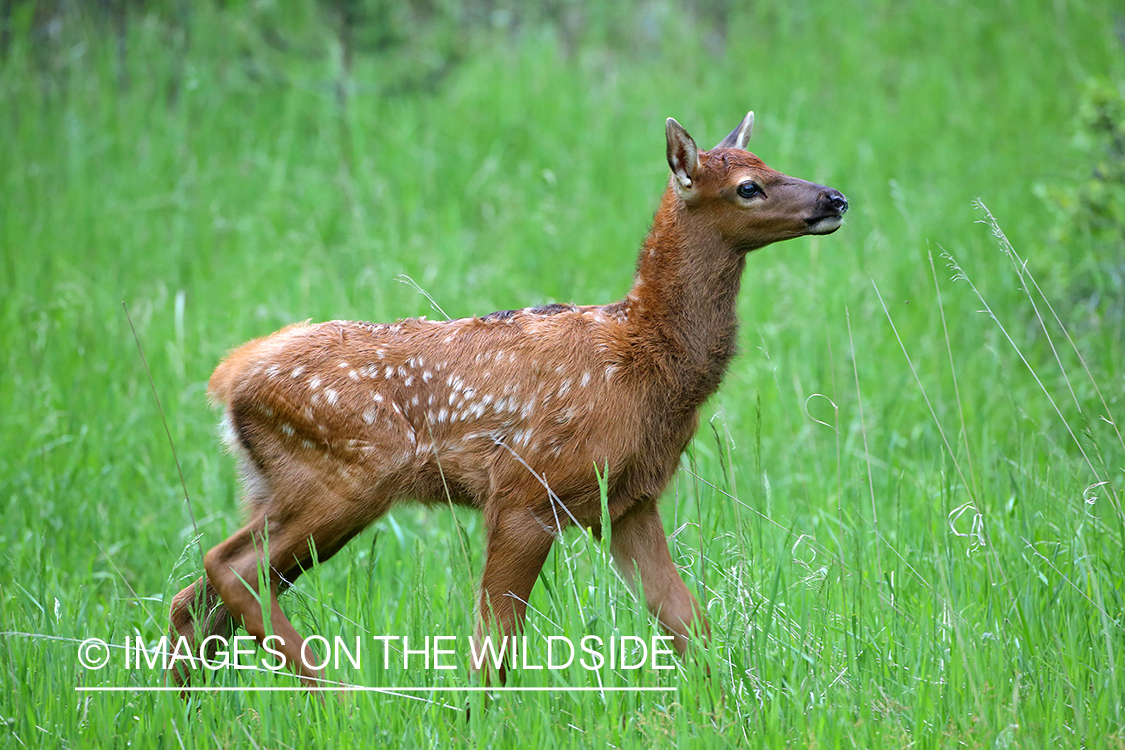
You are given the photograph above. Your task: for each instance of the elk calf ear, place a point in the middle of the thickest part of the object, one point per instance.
(683, 158)
(740, 136)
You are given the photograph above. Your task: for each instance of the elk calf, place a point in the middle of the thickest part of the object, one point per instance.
(511, 413)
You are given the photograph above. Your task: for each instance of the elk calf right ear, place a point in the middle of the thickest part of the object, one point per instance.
(683, 158)
(740, 135)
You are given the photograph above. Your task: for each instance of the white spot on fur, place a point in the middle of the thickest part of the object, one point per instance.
(297, 371)
(427, 376)
(332, 396)
(353, 375)
(377, 396)
(585, 379)
(307, 444)
(369, 416)
(287, 429)
(528, 408)
(609, 371)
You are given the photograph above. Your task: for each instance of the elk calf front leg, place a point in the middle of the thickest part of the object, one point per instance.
(518, 544)
(640, 548)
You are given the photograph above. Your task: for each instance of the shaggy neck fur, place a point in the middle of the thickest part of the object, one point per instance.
(682, 307)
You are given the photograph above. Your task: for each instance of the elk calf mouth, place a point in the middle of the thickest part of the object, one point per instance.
(825, 224)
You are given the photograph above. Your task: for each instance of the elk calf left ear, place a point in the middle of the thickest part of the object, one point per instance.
(683, 158)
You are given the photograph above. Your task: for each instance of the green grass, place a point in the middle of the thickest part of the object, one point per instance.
(894, 510)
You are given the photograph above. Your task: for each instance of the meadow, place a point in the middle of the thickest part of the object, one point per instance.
(903, 509)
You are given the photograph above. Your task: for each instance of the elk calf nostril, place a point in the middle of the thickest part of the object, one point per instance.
(837, 200)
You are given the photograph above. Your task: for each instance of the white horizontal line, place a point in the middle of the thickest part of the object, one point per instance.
(367, 689)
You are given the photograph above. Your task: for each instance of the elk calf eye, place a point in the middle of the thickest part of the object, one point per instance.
(748, 190)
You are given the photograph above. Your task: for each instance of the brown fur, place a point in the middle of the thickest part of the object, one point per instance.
(511, 413)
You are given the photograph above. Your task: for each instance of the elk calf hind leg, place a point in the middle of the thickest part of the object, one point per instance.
(197, 613)
(234, 569)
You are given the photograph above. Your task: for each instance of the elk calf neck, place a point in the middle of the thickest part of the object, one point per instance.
(512, 413)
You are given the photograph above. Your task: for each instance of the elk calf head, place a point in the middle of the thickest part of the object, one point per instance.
(751, 204)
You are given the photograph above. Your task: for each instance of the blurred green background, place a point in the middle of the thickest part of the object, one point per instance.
(902, 510)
